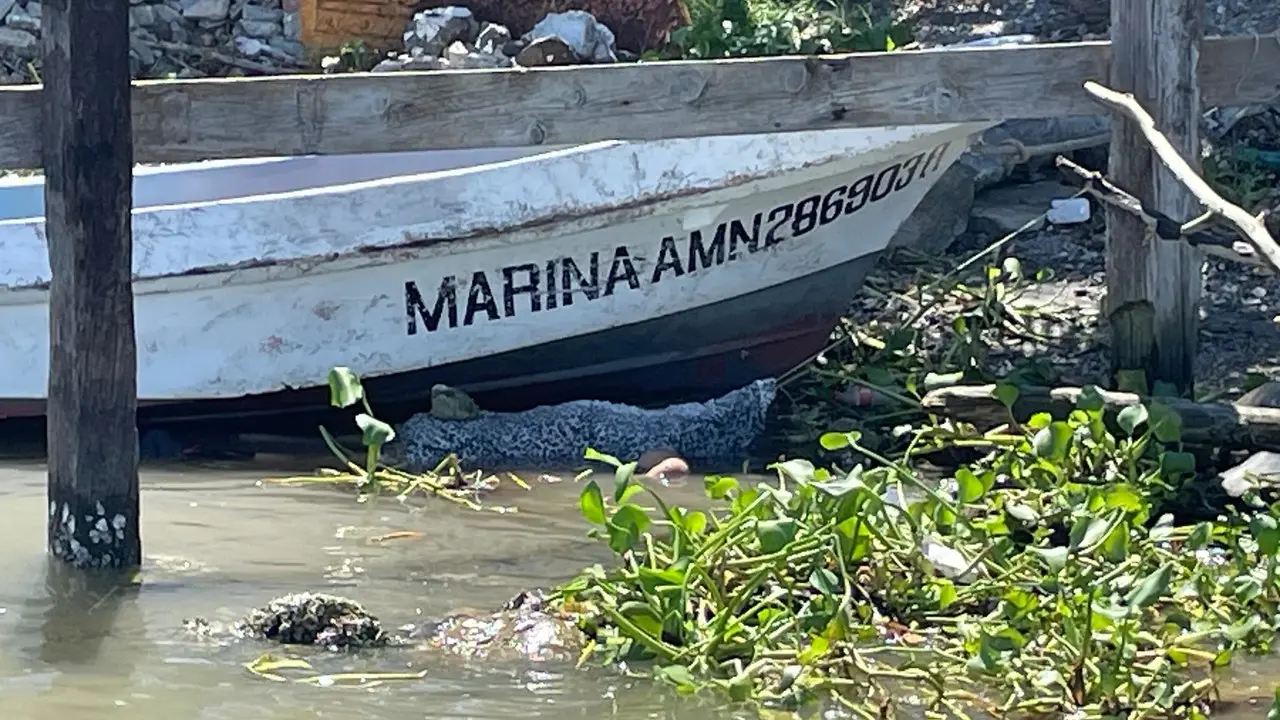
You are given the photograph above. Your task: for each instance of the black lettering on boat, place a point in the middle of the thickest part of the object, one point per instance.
(934, 161)
(569, 274)
(859, 193)
(668, 259)
(552, 298)
(529, 286)
(446, 305)
(621, 269)
(480, 297)
(708, 256)
(806, 216)
(910, 167)
(738, 235)
(777, 216)
(885, 180)
(832, 205)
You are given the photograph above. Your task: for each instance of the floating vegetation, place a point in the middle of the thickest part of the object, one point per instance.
(371, 475)
(270, 667)
(1048, 579)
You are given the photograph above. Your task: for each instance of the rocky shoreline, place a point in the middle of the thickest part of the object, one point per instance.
(174, 38)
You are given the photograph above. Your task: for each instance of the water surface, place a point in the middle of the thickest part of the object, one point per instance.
(217, 543)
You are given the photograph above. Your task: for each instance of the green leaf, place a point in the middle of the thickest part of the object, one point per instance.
(775, 534)
(798, 470)
(1007, 394)
(644, 616)
(374, 432)
(718, 488)
(1165, 423)
(1274, 712)
(622, 480)
(1094, 530)
(946, 592)
(818, 646)
(1090, 399)
(1177, 463)
(971, 487)
(1054, 557)
(1052, 442)
(824, 581)
(839, 440)
(626, 526)
(1152, 588)
(630, 491)
(1039, 420)
(345, 389)
(1200, 536)
(840, 487)
(1130, 418)
(592, 503)
(694, 522)
(677, 675)
(592, 454)
(1116, 545)
(1124, 496)
(1267, 533)
(1023, 513)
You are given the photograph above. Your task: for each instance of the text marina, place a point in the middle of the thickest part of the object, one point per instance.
(560, 282)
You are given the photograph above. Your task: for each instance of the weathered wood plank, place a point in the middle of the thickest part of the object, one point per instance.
(88, 193)
(1153, 285)
(1217, 424)
(180, 120)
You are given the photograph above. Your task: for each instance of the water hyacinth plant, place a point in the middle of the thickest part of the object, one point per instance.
(1062, 575)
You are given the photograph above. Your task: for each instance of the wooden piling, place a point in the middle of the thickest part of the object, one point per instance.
(88, 162)
(1153, 286)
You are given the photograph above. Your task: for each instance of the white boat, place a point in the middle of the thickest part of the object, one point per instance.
(630, 271)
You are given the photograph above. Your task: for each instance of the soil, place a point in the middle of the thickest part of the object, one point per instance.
(945, 22)
(1240, 309)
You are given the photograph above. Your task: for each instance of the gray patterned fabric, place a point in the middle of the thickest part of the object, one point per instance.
(712, 433)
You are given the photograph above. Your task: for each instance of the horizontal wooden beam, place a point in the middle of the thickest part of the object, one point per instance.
(183, 120)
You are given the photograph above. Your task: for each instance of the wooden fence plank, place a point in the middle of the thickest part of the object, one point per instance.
(181, 120)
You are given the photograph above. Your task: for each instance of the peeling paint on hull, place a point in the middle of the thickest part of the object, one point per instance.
(602, 271)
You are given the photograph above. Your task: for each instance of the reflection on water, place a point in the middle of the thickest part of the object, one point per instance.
(217, 544)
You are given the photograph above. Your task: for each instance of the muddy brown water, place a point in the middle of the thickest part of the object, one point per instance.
(216, 543)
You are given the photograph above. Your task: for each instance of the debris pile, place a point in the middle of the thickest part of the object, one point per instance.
(173, 38)
(306, 619)
(452, 38)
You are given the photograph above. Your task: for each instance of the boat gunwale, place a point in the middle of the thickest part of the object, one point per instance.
(779, 172)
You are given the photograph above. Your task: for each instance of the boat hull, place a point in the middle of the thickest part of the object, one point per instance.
(677, 295)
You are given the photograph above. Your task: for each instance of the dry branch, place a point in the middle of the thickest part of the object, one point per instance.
(1249, 227)
(1215, 424)
(1194, 232)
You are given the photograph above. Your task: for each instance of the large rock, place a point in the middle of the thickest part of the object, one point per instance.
(546, 51)
(589, 39)
(943, 214)
(208, 10)
(1000, 210)
(22, 43)
(639, 25)
(431, 31)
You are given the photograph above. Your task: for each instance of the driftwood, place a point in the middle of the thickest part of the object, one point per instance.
(1217, 424)
(1250, 228)
(1198, 232)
